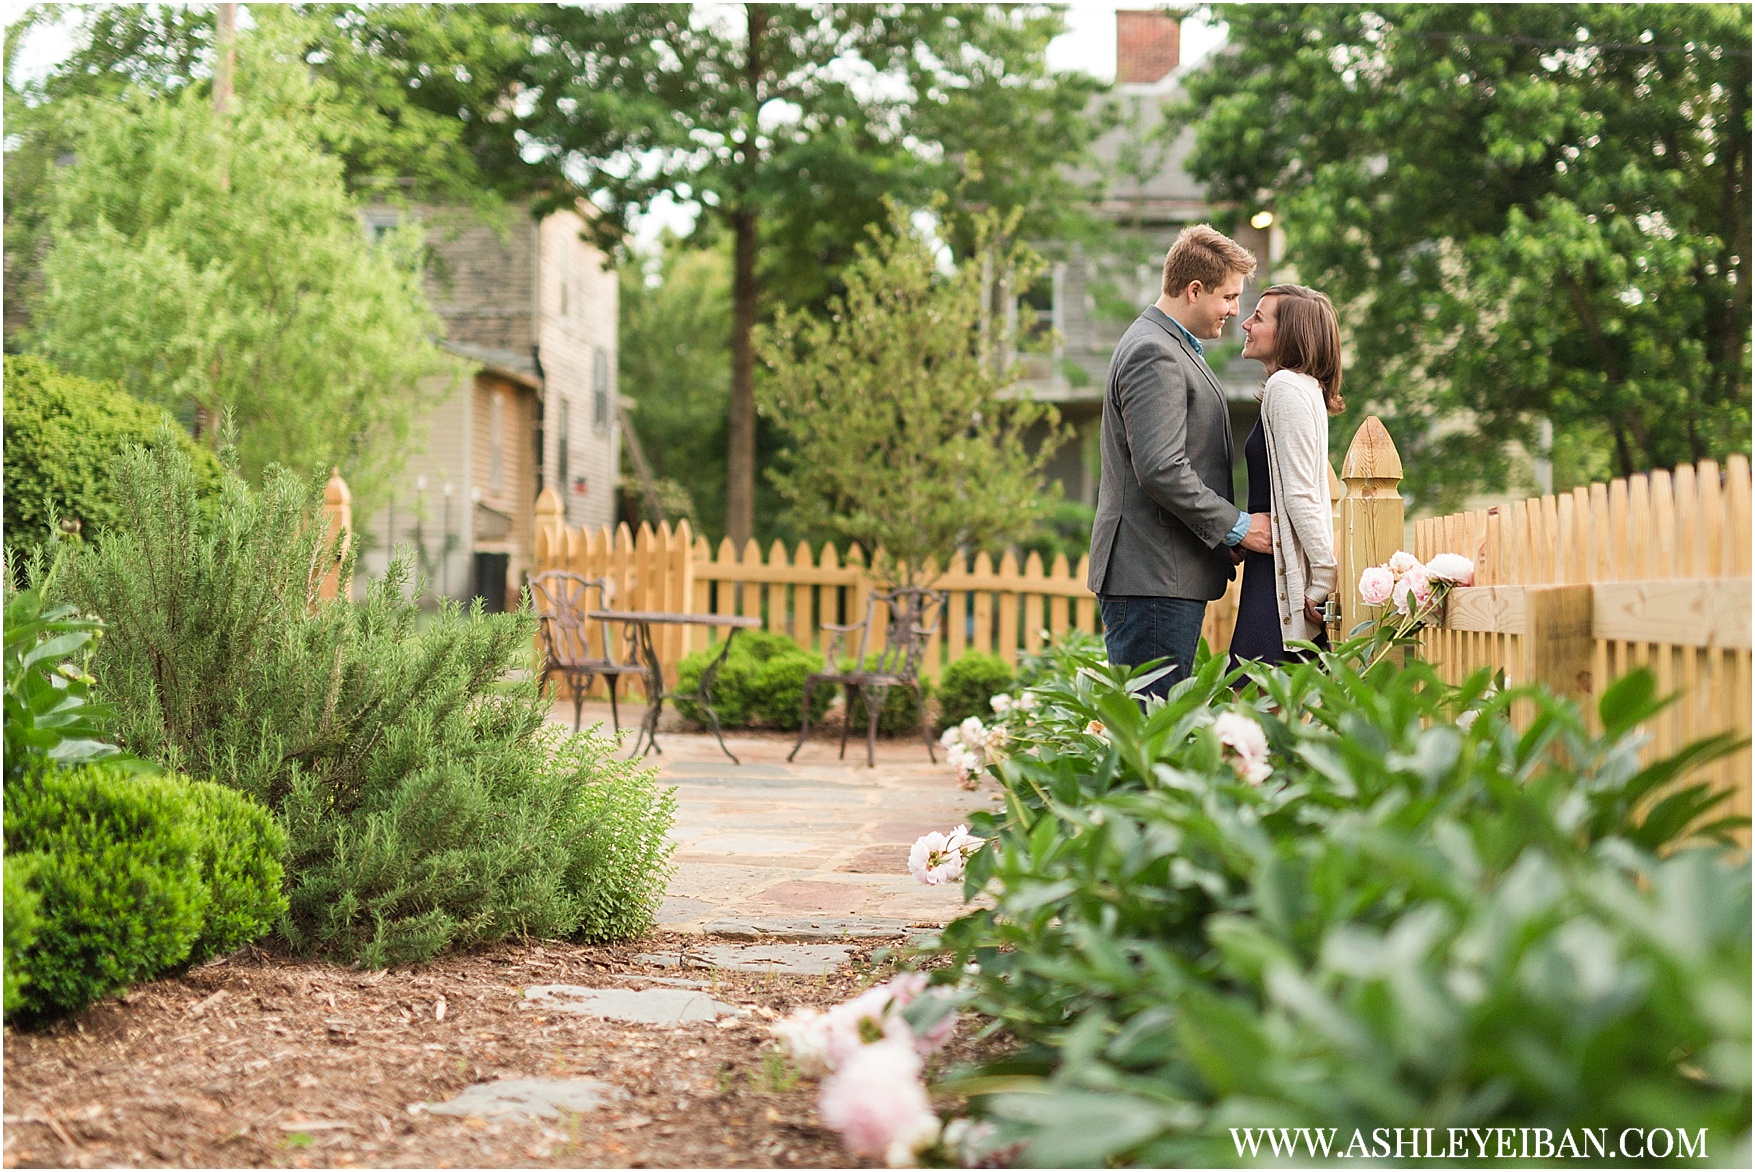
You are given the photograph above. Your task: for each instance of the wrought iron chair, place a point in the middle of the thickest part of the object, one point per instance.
(914, 615)
(559, 597)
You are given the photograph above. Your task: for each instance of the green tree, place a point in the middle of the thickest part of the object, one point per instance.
(215, 262)
(899, 438)
(790, 126)
(675, 359)
(1525, 211)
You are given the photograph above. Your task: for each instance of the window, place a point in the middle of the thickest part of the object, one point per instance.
(600, 388)
(497, 441)
(563, 454)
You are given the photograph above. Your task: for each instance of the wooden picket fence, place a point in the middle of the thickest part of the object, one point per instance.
(1572, 591)
(1576, 590)
(1002, 609)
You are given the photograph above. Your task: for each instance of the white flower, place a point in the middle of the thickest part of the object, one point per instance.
(1095, 729)
(1451, 567)
(1028, 701)
(1245, 738)
(1401, 561)
(1466, 720)
(1001, 704)
(951, 736)
(804, 1035)
(878, 1105)
(939, 858)
(973, 730)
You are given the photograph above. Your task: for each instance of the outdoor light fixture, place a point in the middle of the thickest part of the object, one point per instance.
(1261, 219)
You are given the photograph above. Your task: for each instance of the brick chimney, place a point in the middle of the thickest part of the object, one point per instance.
(1148, 45)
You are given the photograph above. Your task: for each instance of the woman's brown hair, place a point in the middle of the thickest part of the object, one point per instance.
(1307, 338)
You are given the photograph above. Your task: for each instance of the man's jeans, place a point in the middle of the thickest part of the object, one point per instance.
(1139, 629)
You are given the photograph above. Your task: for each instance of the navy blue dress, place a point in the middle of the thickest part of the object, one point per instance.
(1257, 635)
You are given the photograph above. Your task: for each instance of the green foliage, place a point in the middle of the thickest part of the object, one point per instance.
(968, 686)
(761, 680)
(122, 895)
(63, 435)
(50, 713)
(900, 715)
(239, 847)
(673, 342)
(1063, 531)
(214, 262)
(1533, 210)
(23, 921)
(1423, 916)
(426, 802)
(898, 437)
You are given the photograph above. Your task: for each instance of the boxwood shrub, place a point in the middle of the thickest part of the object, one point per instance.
(123, 897)
(63, 437)
(968, 686)
(762, 680)
(23, 919)
(131, 874)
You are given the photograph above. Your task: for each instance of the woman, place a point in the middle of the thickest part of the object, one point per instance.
(1293, 332)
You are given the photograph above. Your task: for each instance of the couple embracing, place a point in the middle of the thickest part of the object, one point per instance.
(1168, 535)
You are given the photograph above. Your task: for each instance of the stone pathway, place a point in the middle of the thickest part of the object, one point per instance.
(815, 850)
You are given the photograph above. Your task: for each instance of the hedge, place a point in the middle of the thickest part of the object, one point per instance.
(63, 437)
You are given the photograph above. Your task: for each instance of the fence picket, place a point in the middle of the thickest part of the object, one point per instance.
(1007, 635)
(1033, 602)
(983, 634)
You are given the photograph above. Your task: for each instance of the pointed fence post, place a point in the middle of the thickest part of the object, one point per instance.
(338, 509)
(1371, 515)
(551, 523)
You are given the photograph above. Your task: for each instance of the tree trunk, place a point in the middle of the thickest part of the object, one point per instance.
(740, 455)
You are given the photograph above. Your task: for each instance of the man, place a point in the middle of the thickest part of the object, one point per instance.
(1161, 547)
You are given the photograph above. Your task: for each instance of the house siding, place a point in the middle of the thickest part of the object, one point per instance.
(576, 318)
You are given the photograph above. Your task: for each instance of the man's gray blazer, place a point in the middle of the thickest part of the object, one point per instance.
(1164, 506)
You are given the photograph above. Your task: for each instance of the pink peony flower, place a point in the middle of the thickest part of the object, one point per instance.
(1413, 588)
(1453, 568)
(878, 1105)
(1000, 703)
(1375, 585)
(1245, 739)
(1401, 561)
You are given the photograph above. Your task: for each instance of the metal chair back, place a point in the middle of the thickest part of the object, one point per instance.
(914, 614)
(562, 599)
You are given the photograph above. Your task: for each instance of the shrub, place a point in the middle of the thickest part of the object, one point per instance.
(969, 684)
(122, 895)
(23, 920)
(762, 679)
(900, 715)
(1422, 915)
(239, 856)
(425, 802)
(63, 436)
(50, 714)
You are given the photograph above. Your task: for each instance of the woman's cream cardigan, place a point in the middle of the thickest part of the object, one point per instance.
(1294, 422)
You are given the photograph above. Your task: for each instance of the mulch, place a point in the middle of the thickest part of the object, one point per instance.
(262, 1059)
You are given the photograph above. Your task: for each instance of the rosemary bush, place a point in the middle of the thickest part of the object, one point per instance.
(425, 802)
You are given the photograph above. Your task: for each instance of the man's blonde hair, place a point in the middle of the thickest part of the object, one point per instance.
(1202, 253)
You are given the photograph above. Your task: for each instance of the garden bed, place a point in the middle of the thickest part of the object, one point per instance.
(264, 1060)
